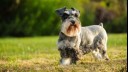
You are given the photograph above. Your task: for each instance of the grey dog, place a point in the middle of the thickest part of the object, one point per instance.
(75, 41)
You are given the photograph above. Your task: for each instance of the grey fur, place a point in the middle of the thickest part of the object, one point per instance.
(90, 39)
(60, 11)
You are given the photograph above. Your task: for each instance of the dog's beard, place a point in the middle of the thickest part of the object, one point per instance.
(71, 30)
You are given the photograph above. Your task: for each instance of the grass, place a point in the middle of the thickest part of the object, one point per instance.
(32, 54)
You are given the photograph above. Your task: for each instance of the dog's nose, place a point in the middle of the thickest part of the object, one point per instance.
(73, 22)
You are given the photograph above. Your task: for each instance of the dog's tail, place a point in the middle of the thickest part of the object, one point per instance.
(101, 24)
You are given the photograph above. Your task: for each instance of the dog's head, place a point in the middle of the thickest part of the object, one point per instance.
(71, 25)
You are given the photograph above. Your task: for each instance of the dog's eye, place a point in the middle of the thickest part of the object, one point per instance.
(76, 15)
(65, 15)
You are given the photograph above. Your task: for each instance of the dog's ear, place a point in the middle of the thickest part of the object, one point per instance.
(77, 11)
(73, 8)
(60, 11)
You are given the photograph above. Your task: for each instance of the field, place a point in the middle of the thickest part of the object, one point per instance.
(40, 54)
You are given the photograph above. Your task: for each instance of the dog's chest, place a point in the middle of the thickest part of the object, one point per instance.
(68, 41)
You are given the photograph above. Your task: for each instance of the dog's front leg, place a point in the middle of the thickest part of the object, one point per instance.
(77, 47)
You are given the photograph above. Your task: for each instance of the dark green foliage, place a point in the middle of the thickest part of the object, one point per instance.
(38, 17)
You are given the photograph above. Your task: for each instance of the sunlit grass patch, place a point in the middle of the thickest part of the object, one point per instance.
(32, 54)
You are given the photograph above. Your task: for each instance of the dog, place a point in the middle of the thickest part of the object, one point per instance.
(75, 41)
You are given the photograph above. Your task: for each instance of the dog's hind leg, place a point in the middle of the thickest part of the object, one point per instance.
(102, 46)
(97, 54)
(103, 52)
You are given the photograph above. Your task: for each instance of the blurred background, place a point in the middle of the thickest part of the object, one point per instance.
(21, 18)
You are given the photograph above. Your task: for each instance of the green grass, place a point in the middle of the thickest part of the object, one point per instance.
(32, 54)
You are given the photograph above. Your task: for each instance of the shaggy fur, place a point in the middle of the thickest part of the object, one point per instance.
(75, 41)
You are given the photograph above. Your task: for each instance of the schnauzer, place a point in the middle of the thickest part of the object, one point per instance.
(75, 41)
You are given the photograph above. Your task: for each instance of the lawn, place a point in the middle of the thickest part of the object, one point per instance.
(32, 54)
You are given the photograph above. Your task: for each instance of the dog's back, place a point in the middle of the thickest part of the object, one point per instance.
(94, 29)
(90, 32)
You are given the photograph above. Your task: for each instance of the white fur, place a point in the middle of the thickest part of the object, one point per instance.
(73, 12)
(67, 12)
(66, 61)
(97, 55)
